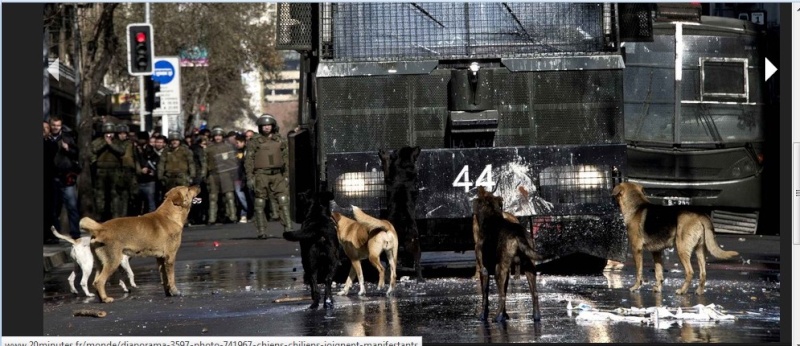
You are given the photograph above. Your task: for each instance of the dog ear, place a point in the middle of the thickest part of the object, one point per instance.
(617, 191)
(499, 201)
(336, 216)
(383, 155)
(415, 153)
(175, 197)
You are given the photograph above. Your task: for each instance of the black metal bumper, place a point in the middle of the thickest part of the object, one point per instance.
(569, 193)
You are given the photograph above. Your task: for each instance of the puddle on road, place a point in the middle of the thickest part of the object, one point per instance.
(442, 310)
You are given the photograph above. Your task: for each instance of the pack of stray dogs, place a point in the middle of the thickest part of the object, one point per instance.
(501, 242)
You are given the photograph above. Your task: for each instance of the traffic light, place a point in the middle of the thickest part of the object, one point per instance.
(140, 49)
(151, 101)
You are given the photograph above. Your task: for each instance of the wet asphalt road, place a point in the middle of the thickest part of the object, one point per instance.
(229, 281)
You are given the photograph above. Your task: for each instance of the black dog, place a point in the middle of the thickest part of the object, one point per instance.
(319, 247)
(400, 175)
(497, 243)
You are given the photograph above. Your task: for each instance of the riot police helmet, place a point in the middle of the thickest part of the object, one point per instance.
(218, 131)
(109, 128)
(122, 128)
(266, 119)
(174, 135)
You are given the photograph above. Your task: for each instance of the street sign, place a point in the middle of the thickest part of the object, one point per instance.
(167, 71)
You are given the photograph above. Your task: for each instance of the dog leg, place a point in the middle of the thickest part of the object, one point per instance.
(328, 304)
(85, 273)
(685, 255)
(501, 277)
(701, 267)
(162, 274)
(71, 280)
(485, 294)
(418, 261)
(125, 263)
(110, 265)
(659, 268)
(637, 259)
(391, 257)
(360, 273)
(314, 291)
(169, 265)
(376, 262)
(349, 281)
(530, 273)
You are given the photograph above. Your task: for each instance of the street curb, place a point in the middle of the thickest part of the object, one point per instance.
(55, 256)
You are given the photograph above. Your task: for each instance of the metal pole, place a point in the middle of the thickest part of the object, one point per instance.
(142, 111)
(76, 52)
(46, 61)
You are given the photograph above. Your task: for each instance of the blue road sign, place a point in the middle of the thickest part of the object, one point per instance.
(163, 72)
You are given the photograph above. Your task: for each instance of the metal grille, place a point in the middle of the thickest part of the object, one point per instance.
(576, 184)
(570, 107)
(577, 107)
(416, 31)
(363, 189)
(636, 22)
(294, 26)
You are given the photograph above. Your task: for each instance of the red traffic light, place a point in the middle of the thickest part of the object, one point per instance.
(141, 37)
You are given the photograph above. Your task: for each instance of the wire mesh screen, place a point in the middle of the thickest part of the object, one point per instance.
(536, 108)
(364, 189)
(386, 31)
(576, 184)
(635, 22)
(294, 26)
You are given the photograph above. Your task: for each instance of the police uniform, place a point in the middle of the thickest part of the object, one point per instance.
(266, 165)
(222, 166)
(107, 158)
(176, 166)
(126, 187)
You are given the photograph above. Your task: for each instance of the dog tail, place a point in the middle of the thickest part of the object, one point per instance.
(711, 242)
(526, 248)
(91, 226)
(69, 239)
(369, 221)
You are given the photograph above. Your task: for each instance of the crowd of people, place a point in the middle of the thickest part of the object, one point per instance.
(238, 172)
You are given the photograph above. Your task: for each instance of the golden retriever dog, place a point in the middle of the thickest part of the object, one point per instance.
(156, 234)
(654, 228)
(366, 238)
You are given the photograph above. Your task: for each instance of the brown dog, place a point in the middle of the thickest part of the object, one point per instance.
(654, 228)
(366, 238)
(156, 234)
(476, 228)
(498, 242)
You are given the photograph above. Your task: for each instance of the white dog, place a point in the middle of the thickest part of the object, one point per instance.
(82, 256)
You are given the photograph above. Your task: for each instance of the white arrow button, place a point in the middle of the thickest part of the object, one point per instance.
(769, 68)
(53, 69)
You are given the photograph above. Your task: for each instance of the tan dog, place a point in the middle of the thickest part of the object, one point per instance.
(366, 238)
(156, 234)
(654, 228)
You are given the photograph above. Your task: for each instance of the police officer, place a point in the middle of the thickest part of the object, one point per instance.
(127, 188)
(222, 169)
(107, 152)
(266, 165)
(176, 166)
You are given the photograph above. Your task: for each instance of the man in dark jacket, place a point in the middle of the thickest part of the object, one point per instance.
(62, 151)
